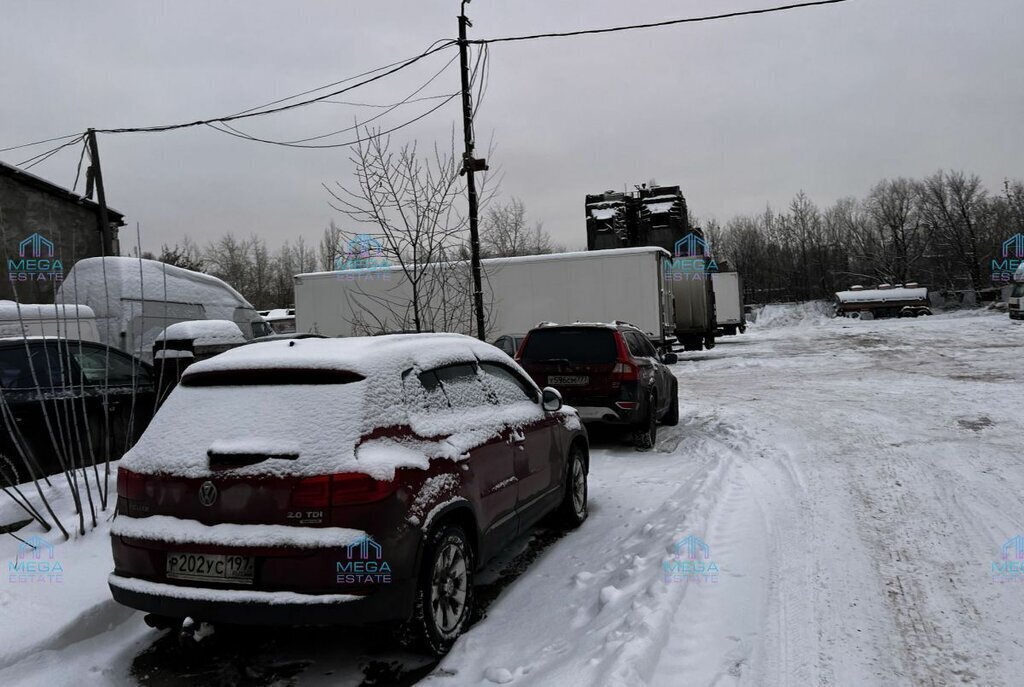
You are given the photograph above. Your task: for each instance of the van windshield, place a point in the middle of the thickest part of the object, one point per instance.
(578, 345)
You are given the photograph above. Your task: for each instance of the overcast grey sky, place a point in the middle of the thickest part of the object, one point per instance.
(740, 113)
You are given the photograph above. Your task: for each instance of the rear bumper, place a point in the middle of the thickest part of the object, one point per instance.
(252, 607)
(608, 415)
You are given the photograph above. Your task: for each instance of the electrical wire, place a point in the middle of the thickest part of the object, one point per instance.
(42, 157)
(78, 171)
(381, 114)
(405, 102)
(36, 143)
(281, 108)
(231, 131)
(670, 22)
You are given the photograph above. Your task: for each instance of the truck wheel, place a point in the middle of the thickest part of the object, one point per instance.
(671, 417)
(573, 509)
(743, 328)
(709, 341)
(691, 343)
(646, 434)
(444, 593)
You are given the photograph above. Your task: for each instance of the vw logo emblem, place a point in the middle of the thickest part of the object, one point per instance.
(208, 493)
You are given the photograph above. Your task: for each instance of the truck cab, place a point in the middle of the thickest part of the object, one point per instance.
(1015, 303)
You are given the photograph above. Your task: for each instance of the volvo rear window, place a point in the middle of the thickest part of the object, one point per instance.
(269, 377)
(583, 345)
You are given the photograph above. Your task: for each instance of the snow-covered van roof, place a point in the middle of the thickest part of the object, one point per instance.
(315, 424)
(203, 332)
(99, 281)
(882, 295)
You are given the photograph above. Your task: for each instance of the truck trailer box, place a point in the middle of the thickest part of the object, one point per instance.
(729, 313)
(600, 286)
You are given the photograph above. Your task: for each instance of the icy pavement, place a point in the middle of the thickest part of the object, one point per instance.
(853, 482)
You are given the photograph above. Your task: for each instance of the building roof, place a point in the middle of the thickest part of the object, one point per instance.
(23, 177)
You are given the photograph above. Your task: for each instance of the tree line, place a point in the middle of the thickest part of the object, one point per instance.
(945, 231)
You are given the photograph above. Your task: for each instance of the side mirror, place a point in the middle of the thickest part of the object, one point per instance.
(670, 358)
(550, 399)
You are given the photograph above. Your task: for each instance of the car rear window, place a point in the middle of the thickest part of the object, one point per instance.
(583, 345)
(269, 377)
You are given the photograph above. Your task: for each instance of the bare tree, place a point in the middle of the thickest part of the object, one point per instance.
(407, 201)
(954, 206)
(506, 233)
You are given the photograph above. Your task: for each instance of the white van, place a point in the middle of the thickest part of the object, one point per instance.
(65, 321)
(1015, 304)
(134, 300)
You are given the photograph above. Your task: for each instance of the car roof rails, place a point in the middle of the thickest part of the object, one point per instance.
(547, 324)
(627, 324)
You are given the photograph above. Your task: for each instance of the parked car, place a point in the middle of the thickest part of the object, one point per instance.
(509, 343)
(406, 463)
(54, 391)
(611, 373)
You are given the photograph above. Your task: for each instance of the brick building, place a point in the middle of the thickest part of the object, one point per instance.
(44, 229)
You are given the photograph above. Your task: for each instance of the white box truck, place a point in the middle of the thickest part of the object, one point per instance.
(625, 284)
(728, 303)
(135, 300)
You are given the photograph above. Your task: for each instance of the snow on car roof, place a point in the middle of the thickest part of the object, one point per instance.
(324, 421)
(203, 332)
(366, 356)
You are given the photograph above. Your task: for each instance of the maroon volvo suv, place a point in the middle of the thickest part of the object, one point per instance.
(341, 481)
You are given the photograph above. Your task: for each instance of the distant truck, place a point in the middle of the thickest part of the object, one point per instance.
(657, 216)
(885, 300)
(519, 293)
(730, 316)
(135, 300)
(1015, 303)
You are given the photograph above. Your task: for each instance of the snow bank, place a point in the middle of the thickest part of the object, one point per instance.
(204, 332)
(809, 314)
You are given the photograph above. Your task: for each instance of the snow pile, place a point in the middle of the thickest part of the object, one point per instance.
(204, 332)
(809, 314)
(10, 310)
(882, 295)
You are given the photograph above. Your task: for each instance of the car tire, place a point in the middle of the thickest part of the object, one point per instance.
(573, 509)
(444, 592)
(671, 418)
(646, 434)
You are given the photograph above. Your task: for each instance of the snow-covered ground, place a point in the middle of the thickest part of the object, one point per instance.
(854, 482)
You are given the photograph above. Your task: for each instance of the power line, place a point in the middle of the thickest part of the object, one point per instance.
(670, 22)
(46, 155)
(231, 131)
(291, 106)
(36, 143)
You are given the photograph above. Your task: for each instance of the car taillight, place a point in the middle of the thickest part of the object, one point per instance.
(349, 488)
(624, 370)
(130, 485)
(341, 489)
(312, 492)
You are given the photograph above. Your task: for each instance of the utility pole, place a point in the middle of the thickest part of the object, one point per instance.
(97, 175)
(469, 166)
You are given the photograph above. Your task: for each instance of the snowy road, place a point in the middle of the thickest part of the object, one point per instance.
(853, 481)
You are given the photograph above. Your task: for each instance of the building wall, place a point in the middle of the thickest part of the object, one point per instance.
(72, 228)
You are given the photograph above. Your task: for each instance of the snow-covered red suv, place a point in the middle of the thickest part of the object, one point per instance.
(341, 481)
